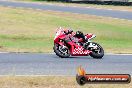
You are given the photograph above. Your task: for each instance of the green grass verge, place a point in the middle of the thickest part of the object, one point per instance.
(33, 31)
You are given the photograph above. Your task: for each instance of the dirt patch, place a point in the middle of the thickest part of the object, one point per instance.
(50, 82)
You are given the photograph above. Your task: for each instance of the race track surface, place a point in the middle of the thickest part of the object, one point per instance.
(50, 64)
(81, 10)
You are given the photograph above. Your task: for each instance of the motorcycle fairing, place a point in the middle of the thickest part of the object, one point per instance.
(77, 50)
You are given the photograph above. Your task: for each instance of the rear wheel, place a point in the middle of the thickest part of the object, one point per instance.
(61, 51)
(97, 52)
(67, 0)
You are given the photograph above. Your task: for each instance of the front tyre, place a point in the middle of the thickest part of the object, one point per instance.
(98, 52)
(61, 51)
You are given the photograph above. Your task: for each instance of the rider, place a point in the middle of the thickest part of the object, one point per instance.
(78, 34)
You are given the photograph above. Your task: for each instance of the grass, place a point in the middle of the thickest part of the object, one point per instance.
(26, 30)
(114, 7)
(50, 82)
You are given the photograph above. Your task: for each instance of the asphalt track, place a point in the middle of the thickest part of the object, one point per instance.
(81, 10)
(50, 64)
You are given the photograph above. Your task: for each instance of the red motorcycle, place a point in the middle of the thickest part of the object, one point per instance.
(66, 45)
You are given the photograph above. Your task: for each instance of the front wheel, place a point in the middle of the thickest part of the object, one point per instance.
(97, 52)
(61, 51)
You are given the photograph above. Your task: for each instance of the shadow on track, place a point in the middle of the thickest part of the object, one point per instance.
(78, 58)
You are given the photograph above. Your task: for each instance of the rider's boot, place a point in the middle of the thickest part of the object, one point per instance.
(86, 43)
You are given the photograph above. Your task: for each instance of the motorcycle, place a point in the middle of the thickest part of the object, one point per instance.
(66, 45)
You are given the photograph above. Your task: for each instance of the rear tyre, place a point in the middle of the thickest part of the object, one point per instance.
(68, 1)
(63, 53)
(97, 53)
